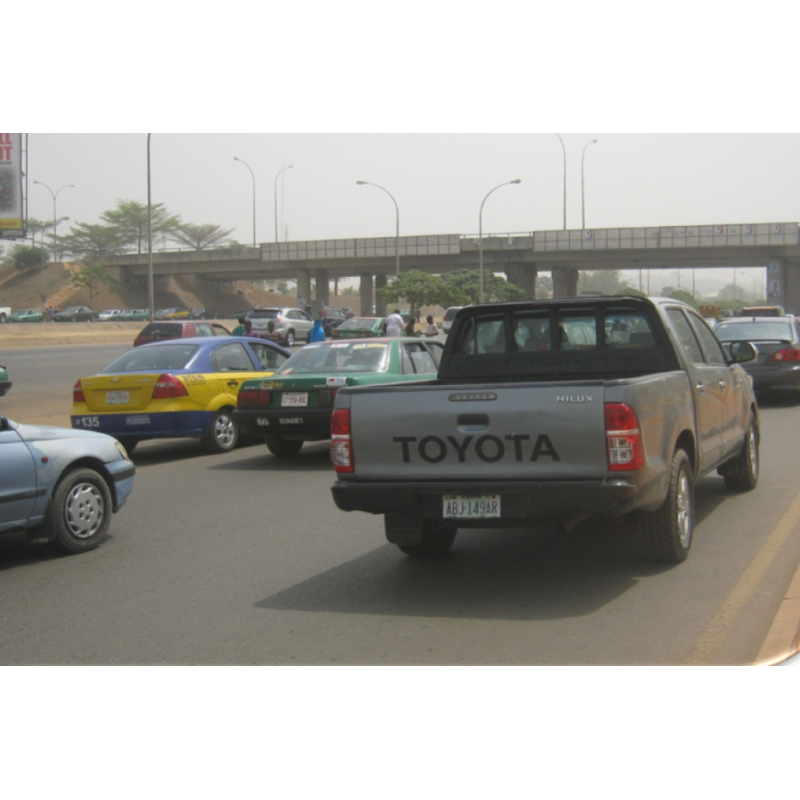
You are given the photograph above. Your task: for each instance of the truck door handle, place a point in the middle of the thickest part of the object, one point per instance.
(723, 384)
(473, 421)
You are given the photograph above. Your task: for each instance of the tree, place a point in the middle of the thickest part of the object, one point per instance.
(465, 283)
(25, 256)
(420, 289)
(92, 243)
(684, 297)
(199, 236)
(90, 277)
(129, 219)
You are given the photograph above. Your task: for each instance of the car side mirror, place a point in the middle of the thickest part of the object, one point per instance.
(741, 352)
(3, 423)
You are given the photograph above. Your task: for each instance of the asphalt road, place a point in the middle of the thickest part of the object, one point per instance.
(244, 559)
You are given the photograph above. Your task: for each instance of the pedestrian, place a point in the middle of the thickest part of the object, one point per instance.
(248, 330)
(432, 328)
(410, 327)
(239, 329)
(317, 332)
(394, 323)
(271, 334)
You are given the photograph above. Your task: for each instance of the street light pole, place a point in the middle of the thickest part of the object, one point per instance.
(291, 166)
(254, 195)
(480, 238)
(564, 149)
(55, 215)
(397, 230)
(151, 303)
(583, 204)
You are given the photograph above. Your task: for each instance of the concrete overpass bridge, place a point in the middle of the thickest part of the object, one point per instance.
(774, 246)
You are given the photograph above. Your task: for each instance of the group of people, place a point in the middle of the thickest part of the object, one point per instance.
(395, 326)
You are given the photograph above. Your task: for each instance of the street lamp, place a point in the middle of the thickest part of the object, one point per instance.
(564, 149)
(254, 195)
(151, 303)
(480, 238)
(55, 215)
(583, 205)
(291, 166)
(397, 232)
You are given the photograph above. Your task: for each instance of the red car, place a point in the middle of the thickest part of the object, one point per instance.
(169, 329)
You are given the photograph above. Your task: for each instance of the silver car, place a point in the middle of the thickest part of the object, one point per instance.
(60, 485)
(291, 324)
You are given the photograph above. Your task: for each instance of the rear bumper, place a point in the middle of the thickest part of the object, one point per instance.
(161, 425)
(300, 423)
(776, 379)
(521, 501)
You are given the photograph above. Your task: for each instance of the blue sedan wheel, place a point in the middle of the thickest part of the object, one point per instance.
(223, 433)
(81, 511)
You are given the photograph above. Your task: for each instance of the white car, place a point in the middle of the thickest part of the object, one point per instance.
(108, 315)
(291, 324)
(449, 316)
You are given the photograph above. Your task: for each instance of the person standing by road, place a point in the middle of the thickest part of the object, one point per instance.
(395, 324)
(432, 329)
(317, 332)
(239, 329)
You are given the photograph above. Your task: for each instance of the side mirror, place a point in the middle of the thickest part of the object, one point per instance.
(741, 352)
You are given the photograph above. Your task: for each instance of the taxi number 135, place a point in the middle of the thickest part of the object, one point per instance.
(86, 422)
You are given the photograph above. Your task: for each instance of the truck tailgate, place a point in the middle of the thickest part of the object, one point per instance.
(467, 432)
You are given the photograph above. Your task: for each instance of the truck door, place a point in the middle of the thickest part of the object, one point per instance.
(709, 390)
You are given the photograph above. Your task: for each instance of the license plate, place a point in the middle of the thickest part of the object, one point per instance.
(116, 398)
(294, 399)
(464, 507)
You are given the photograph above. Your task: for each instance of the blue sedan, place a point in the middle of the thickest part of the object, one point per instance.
(175, 388)
(61, 485)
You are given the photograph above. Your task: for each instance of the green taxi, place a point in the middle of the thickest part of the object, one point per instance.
(296, 403)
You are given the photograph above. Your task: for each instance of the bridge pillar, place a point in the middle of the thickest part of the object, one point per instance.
(366, 293)
(322, 290)
(380, 306)
(565, 282)
(523, 276)
(787, 275)
(303, 289)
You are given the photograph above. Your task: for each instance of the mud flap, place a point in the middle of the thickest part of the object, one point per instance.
(403, 529)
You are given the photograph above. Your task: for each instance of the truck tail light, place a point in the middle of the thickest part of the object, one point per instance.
(787, 354)
(625, 449)
(77, 393)
(341, 444)
(168, 386)
(248, 398)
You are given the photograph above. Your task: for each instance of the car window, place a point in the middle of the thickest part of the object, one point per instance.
(268, 357)
(483, 335)
(753, 330)
(416, 358)
(686, 336)
(203, 329)
(162, 357)
(712, 349)
(232, 357)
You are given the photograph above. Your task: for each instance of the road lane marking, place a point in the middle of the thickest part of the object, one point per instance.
(706, 646)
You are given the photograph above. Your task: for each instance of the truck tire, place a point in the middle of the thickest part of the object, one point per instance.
(666, 533)
(437, 539)
(281, 447)
(743, 470)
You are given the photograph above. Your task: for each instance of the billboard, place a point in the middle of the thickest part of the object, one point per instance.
(11, 215)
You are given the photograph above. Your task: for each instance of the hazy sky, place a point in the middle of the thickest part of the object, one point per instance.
(438, 180)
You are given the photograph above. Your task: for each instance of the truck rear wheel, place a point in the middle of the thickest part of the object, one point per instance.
(437, 539)
(666, 533)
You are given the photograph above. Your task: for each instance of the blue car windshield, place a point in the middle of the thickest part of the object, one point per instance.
(155, 358)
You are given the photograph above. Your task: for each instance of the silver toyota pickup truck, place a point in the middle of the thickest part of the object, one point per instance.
(548, 412)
